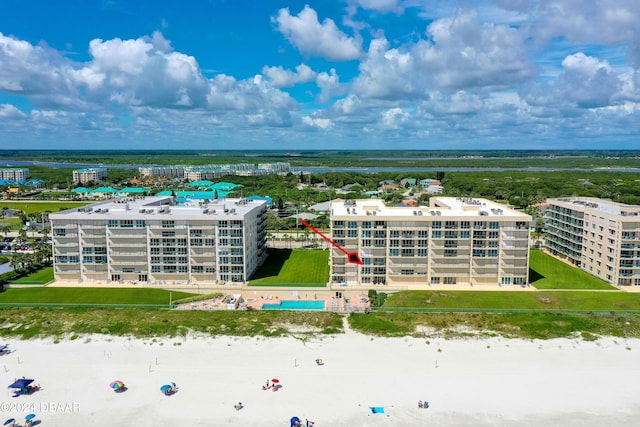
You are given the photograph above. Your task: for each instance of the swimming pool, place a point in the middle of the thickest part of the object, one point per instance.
(295, 305)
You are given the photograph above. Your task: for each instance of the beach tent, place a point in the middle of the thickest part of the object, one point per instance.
(21, 383)
(295, 421)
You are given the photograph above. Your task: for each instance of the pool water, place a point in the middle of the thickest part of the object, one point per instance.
(295, 305)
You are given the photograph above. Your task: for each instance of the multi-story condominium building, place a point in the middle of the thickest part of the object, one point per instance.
(453, 241)
(599, 236)
(14, 174)
(166, 171)
(152, 239)
(82, 176)
(200, 172)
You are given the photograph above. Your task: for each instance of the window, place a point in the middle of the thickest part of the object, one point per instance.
(366, 224)
(365, 243)
(464, 234)
(406, 272)
(60, 232)
(449, 280)
(505, 280)
(407, 252)
(518, 280)
(465, 225)
(435, 280)
(140, 223)
(423, 252)
(450, 252)
(352, 224)
(352, 233)
(394, 234)
(436, 224)
(168, 224)
(338, 224)
(394, 252)
(126, 223)
(436, 234)
(492, 253)
(366, 270)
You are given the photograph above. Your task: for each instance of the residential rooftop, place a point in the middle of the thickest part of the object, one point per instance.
(604, 206)
(448, 206)
(163, 207)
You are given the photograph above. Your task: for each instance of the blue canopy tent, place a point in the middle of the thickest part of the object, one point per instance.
(21, 383)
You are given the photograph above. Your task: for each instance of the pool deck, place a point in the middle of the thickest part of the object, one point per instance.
(342, 305)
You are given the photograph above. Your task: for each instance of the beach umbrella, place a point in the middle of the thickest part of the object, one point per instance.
(21, 383)
(9, 421)
(294, 421)
(275, 380)
(116, 385)
(165, 387)
(30, 417)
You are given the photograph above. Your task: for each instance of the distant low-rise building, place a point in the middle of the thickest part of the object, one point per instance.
(14, 174)
(83, 176)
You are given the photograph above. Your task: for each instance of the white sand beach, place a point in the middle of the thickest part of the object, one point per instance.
(467, 382)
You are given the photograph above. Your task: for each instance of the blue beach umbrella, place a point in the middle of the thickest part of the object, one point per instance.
(165, 387)
(30, 417)
(9, 421)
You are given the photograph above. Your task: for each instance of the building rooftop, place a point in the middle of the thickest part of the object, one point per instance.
(449, 206)
(599, 205)
(159, 208)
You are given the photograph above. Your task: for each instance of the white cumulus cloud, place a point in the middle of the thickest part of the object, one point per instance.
(311, 37)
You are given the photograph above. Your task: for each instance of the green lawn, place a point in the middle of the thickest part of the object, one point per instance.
(39, 277)
(547, 272)
(509, 300)
(545, 325)
(31, 206)
(300, 267)
(43, 295)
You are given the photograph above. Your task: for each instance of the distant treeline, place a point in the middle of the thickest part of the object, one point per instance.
(392, 158)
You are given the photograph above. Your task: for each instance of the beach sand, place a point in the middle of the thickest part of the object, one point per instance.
(467, 382)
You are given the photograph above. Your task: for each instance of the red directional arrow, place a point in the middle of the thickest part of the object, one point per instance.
(353, 257)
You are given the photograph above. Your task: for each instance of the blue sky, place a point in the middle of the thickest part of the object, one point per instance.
(353, 74)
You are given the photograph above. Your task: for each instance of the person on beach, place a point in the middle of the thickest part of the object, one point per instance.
(238, 406)
(419, 403)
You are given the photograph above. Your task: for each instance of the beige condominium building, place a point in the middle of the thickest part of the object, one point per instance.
(82, 176)
(156, 240)
(599, 236)
(453, 241)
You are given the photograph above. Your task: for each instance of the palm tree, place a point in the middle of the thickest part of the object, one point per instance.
(4, 228)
